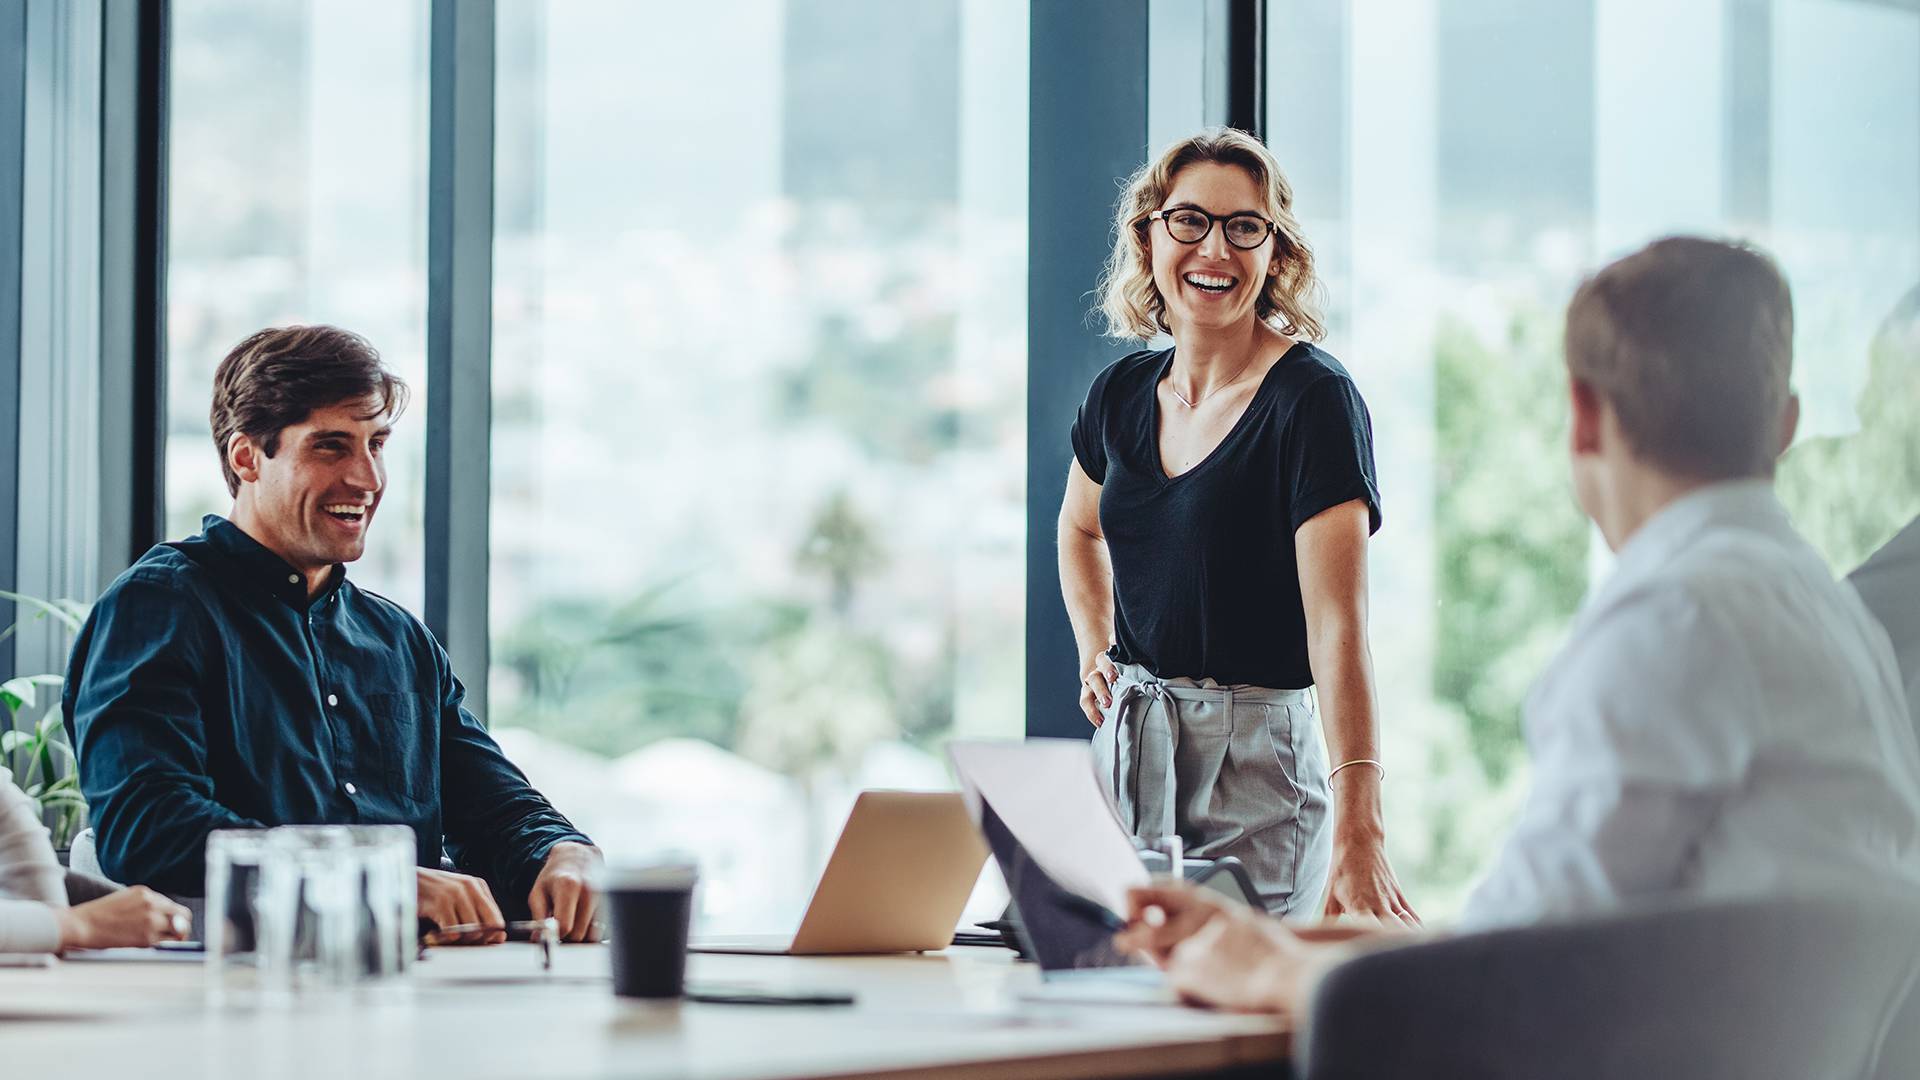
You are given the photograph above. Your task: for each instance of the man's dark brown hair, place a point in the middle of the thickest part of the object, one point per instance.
(1691, 342)
(277, 377)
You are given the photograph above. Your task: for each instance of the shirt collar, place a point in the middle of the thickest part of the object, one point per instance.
(1743, 504)
(257, 563)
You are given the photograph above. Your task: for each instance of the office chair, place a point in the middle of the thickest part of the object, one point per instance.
(1900, 1056)
(1786, 988)
(84, 855)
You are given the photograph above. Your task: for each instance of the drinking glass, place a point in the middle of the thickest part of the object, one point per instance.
(238, 938)
(387, 938)
(311, 887)
(1163, 855)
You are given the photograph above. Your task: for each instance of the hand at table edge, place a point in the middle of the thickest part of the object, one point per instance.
(565, 890)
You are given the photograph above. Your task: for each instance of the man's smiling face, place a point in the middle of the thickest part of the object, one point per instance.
(313, 499)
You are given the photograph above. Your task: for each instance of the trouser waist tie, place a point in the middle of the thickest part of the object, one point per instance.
(1147, 736)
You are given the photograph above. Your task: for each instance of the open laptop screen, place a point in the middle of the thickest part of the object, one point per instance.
(1059, 928)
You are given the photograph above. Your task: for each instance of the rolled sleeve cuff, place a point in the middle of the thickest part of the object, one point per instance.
(522, 885)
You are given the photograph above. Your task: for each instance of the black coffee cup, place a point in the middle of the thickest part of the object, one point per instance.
(651, 909)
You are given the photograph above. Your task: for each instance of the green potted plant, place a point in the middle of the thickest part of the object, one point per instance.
(33, 743)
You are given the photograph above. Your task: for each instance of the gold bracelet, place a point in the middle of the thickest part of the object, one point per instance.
(1358, 761)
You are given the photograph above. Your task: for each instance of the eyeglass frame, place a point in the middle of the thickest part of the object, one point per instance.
(1212, 220)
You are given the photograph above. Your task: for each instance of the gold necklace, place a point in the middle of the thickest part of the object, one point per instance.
(1195, 403)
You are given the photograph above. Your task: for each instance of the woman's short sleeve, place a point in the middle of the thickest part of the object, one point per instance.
(1329, 447)
(1089, 434)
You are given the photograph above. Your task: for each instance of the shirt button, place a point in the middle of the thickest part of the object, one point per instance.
(333, 699)
(351, 790)
(293, 579)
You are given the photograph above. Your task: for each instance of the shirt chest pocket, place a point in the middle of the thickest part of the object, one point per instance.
(401, 747)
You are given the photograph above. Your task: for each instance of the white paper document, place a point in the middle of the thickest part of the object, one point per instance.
(1046, 793)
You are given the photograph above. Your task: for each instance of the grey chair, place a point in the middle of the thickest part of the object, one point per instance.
(1787, 988)
(84, 887)
(1900, 1056)
(84, 856)
(84, 879)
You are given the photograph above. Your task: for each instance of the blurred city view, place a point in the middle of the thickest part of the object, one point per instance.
(759, 417)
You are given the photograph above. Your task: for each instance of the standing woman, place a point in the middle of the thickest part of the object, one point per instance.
(1213, 543)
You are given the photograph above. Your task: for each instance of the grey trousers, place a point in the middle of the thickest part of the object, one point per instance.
(1234, 770)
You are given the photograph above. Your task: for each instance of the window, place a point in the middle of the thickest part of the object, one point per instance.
(297, 194)
(759, 387)
(1459, 166)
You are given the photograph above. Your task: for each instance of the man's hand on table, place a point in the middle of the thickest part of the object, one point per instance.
(564, 891)
(1217, 952)
(458, 900)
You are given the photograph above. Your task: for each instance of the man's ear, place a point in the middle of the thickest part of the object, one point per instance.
(1588, 410)
(1789, 423)
(243, 457)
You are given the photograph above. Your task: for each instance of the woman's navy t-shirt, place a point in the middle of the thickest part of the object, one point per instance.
(1204, 579)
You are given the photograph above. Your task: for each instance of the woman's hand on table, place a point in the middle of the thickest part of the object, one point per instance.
(134, 917)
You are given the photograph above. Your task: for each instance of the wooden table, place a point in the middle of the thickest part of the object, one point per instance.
(487, 1012)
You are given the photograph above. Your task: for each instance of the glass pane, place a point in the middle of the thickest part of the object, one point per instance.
(758, 415)
(297, 194)
(1561, 136)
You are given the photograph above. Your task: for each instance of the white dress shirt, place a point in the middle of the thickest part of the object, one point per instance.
(1725, 721)
(1889, 583)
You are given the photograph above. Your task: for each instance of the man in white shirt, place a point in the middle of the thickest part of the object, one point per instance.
(1726, 720)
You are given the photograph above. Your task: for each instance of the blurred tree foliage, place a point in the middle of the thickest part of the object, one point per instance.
(1850, 494)
(884, 391)
(1511, 543)
(792, 683)
(804, 678)
(612, 675)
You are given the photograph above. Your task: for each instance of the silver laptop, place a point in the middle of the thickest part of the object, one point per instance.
(897, 881)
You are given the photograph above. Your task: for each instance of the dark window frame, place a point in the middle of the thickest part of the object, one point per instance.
(1088, 126)
(460, 335)
(133, 280)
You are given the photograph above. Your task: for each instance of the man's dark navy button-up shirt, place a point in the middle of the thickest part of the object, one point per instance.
(208, 691)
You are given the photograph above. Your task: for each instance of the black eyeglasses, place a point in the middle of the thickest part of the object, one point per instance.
(1190, 226)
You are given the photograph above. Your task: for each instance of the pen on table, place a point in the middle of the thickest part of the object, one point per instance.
(520, 926)
(544, 932)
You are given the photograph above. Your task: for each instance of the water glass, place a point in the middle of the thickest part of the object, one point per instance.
(311, 889)
(237, 937)
(388, 898)
(1163, 855)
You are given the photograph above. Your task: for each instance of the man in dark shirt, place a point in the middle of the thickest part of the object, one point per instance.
(237, 679)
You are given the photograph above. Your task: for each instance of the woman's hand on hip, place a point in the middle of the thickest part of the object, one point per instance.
(1363, 885)
(1097, 676)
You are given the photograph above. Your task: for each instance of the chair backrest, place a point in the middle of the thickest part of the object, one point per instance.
(1787, 988)
(84, 856)
(1900, 1055)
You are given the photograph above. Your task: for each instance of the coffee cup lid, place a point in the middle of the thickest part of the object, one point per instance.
(650, 875)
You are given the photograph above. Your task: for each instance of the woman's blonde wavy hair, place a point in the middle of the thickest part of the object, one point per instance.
(1129, 299)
